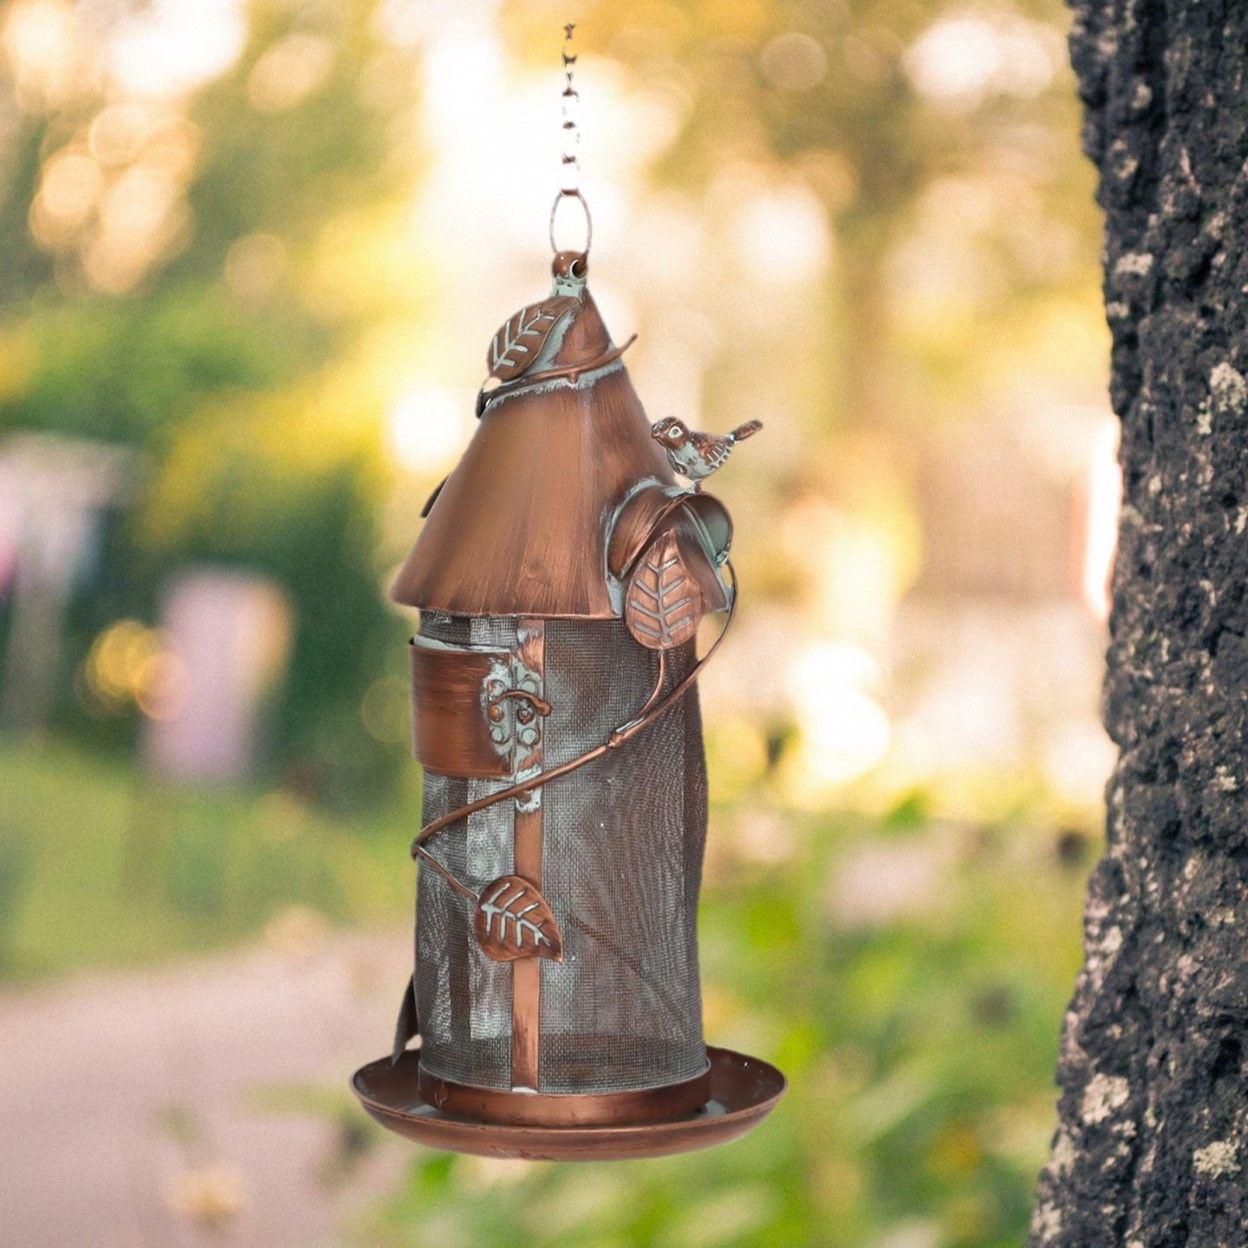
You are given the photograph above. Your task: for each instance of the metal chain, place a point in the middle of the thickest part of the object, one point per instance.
(570, 149)
(570, 107)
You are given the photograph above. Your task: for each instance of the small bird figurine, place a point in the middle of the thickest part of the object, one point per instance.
(696, 455)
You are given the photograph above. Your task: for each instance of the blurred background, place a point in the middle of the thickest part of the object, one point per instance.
(251, 255)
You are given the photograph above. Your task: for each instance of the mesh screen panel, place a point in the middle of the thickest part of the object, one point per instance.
(621, 864)
(463, 997)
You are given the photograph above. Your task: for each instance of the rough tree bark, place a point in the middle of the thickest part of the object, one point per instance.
(1152, 1146)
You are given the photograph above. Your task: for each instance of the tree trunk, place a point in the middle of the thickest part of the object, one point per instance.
(1151, 1149)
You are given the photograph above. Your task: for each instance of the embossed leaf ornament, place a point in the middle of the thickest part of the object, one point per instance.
(664, 603)
(513, 920)
(520, 339)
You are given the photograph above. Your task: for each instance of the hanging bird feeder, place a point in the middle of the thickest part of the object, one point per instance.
(561, 577)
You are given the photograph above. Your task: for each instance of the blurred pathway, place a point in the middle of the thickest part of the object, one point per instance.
(136, 1110)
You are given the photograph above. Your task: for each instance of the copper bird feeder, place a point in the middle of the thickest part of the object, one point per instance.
(561, 576)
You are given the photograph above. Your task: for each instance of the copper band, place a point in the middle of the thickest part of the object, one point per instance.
(526, 984)
(564, 1109)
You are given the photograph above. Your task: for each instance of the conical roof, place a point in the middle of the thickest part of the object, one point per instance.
(523, 523)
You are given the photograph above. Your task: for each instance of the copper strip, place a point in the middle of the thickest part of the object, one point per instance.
(526, 984)
(564, 1109)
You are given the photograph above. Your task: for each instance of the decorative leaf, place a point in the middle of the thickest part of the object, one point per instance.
(513, 920)
(664, 604)
(518, 342)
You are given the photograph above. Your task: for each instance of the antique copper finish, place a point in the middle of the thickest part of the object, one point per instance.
(560, 338)
(643, 514)
(531, 653)
(559, 1014)
(566, 1109)
(699, 520)
(526, 984)
(585, 341)
(447, 741)
(664, 604)
(649, 712)
(526, 1005)
(570, 264)
(531, 705)
(494, 389)
(743, 1091)
(499, 540)
(514, 922)
(519, 340)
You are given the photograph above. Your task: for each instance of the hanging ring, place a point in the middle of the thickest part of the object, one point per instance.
(560, 196)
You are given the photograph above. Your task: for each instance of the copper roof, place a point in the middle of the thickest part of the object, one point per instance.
(522, 525)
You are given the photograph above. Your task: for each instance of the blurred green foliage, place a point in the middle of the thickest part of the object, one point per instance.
(221, 386)
(241, 353)
(114, 871)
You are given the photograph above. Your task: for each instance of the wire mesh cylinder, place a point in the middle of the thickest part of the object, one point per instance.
(622, 846)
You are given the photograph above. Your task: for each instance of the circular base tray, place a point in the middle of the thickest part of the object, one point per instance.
(743, 1091)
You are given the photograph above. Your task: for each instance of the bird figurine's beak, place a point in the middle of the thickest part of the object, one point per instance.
(656, 433)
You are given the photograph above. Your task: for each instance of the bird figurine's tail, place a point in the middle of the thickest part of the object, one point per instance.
(747, 430)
